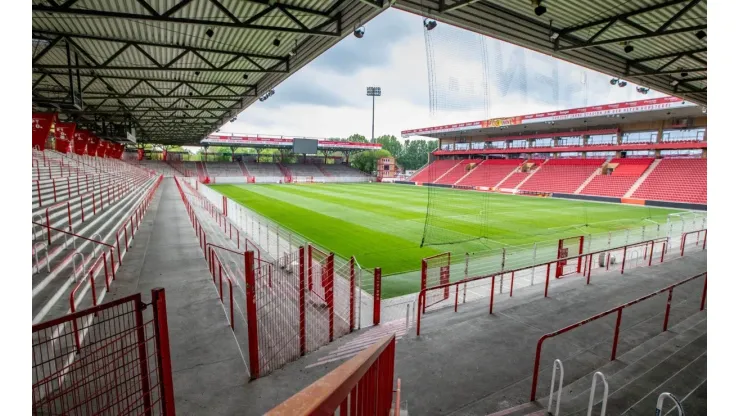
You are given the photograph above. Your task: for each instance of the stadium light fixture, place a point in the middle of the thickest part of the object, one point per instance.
(674, 83)
(539, 9)
(622, 84)
(684, 74)
(430, 24)
(614, 81)
(276, 42)
(245, 76)
(209, 32)
(629, 48)
(642, 90)
(373, 92)
(554, 36)
(701, 34)
(360, 32)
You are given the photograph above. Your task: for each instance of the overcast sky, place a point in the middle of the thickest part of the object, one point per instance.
(326, 98)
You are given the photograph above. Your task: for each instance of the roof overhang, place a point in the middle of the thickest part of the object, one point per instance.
(593, 117)
(283, 142)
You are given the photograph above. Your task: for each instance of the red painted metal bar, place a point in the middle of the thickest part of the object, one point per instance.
(376, 296)
(698, 236)
(252, 316)
(538, 353)
(493, 291)
(302, 298)
(161, 330)
(329, 291)
(367, 378)
(352, 282)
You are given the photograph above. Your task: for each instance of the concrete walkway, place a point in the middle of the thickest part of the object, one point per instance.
(209, 371)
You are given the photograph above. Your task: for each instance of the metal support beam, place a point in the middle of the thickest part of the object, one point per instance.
(633, 38)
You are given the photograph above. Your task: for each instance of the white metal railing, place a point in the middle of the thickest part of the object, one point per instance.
(36, 256)
(604, 397)
(662, 397)
(557, 363)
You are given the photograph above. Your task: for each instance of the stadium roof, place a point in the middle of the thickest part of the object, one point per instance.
(177, 70)
(574, 119)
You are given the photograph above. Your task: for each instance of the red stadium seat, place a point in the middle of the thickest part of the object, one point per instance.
(681, 180)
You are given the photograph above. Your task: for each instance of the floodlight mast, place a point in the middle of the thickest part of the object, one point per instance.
(373, 92)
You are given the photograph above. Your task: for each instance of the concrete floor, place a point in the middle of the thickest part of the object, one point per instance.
(464, 363)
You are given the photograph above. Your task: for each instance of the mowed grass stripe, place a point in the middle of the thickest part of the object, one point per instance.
(408, 229)
(370, 247)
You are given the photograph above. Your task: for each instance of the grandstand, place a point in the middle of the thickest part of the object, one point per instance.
(157, 291)
(600, 161)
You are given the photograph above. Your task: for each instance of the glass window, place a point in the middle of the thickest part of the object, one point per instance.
(570, 154)
(603, 139)
(519, 144)
(543, 143)
(684, 135)
(640, 137)
(571, 141)
(477, 145)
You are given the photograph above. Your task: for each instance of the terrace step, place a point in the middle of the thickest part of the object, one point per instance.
(642, 178)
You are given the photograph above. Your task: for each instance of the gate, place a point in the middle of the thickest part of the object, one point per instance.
(569, 247)
(435, 271)
(113, 358)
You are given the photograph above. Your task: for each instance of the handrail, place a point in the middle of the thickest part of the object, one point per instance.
(604, 396)
(48, 221)
(36, 256)
(698, 236)
(328, 393)
(214, 258)
(557, 363)
(618, 310)
(421, 301)
(661, 398)
(75, 235)
(397, 409)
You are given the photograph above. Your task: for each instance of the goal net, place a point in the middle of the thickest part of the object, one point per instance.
(567, 248)
(435, 271)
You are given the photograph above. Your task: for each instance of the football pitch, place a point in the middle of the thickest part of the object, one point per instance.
(382, 224)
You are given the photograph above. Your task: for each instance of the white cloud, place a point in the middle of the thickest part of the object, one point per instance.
(334, 103)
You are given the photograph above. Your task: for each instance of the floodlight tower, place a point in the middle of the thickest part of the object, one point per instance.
(373, 92)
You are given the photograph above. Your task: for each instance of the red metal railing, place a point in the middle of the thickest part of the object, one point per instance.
(363, 385)
(216, 268)
(698, 238)
(421, 301)
(117, 362)
(618, 310)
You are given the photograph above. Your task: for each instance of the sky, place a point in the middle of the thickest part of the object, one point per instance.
(474, 78)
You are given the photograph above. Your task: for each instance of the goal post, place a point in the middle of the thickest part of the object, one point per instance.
(569, 247)
(435, 271)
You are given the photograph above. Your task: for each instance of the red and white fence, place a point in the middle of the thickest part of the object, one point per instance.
(112, 358)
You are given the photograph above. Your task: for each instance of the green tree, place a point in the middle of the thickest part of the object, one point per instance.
(416, 153)
(367, 161)
(357, 138)
(391, 144)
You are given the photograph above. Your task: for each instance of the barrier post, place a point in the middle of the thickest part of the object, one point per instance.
(143, 360)
(252, 331)
(423, 279)
(376, 297)
(161, 330)
(615, 341)
(493, 290)
(547, 279)
(329, 291)
(302, 298)
(351, 294)
(310, 267)
(667, 310)
(704, 294)
(624, 259)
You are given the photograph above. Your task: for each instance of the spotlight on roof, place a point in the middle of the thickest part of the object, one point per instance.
(629, 48)
(197, 73)
(701, 34)
(209, 33)
(190, 93)
(674, 83)
(218, 130)
(276, 42)
(642, 90)
(539, 9)
(360, 32)
(554, 36)
(245, 76)
(613, 81)
(430, 23)
(622, 84)
(684, 74)
(233, 119)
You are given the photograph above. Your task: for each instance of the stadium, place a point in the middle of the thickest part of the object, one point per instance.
(550, 262)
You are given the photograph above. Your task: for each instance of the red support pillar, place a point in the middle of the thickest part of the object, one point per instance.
(254, 365)
(310, 268)
(329, 291)
(376, 297)
(351, 293)
(159, 305)
(302, 298)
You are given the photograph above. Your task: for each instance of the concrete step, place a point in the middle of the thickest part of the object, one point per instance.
(651, 369)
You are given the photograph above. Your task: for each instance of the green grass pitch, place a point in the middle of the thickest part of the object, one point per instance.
(382, 224)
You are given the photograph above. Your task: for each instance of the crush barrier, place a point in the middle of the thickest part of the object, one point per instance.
(486, 286)
(112, 358)
(294, 304)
